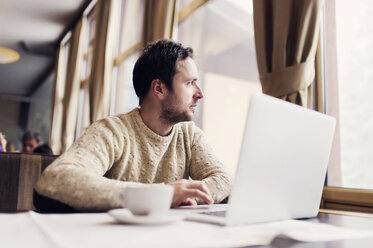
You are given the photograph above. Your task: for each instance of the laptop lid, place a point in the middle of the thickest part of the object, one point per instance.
(282, 165)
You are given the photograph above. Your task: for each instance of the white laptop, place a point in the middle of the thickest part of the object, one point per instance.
(282, 165)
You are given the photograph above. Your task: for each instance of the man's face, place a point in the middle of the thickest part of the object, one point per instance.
(29, 145)
(180, 103)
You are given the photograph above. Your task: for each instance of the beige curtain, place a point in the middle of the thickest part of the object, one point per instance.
(72, 87)
(103, 58)
(286, 37)
(59, 83)
(160, 20)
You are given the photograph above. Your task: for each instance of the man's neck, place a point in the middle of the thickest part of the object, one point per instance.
(151, 117)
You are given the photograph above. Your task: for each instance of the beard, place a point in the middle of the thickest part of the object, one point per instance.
(171, 115)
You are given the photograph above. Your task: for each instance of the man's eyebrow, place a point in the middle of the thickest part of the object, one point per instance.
(191, 79)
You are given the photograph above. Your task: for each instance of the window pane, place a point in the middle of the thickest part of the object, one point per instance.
(132, 16)
(83, 107)
(88, 46)
(183, 3)
(131, 21)
(83, 112)
(125, 98)
(222, 36)
(63, 73)
(355, 77)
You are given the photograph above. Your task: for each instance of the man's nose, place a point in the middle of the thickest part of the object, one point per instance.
(198, 94)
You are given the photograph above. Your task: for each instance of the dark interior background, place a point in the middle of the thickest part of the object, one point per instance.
(34, 29)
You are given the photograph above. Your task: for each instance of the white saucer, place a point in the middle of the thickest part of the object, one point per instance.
(123, 215)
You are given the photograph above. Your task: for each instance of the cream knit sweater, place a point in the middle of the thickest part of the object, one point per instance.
(121, 150)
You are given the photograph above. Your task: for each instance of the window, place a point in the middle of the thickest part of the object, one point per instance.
(83, 119)
(222, 36)
(346, 65)
(354, 87)
(130, 35)
(355, 76)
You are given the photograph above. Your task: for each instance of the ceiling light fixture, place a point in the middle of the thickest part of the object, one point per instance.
(8, 55)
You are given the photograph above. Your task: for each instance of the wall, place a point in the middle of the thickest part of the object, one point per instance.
(9, 121)
(41, 109)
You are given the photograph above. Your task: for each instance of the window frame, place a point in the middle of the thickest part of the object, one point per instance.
(336, 198)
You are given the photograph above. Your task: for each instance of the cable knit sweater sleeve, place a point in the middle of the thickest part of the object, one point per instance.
(206, 166)
(76, 177)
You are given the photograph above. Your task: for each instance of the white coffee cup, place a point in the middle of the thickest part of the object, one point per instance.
(147, 199)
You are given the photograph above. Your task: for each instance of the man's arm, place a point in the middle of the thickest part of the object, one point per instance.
(205, 166)
(76, 177)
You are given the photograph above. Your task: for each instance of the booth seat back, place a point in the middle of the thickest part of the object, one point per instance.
(18, 175)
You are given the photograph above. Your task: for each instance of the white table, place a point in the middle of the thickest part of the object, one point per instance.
(30, 229)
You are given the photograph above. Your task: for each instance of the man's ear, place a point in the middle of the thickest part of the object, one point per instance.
(158, 88)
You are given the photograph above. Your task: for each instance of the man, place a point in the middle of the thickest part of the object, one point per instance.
(31, 140)
(155, 143)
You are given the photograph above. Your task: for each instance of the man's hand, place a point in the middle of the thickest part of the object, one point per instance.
(186, 190)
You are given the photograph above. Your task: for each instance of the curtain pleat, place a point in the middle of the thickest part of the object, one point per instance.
(55, 136)
(160, 20)
(72, 87)
(103, 58)
(286, 37)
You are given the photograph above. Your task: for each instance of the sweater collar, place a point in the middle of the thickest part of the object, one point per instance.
(150, 133)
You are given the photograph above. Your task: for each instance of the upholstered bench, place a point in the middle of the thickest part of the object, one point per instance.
(18, 175)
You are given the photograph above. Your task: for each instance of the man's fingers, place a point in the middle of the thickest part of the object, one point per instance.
(198, 194)
(190, 202)
(198, 185)
(185, 190)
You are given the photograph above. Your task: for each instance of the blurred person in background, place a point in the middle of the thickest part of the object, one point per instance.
(31, 140)
(10, 147)
(43, 149)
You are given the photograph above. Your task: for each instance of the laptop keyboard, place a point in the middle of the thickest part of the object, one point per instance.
(215, 213)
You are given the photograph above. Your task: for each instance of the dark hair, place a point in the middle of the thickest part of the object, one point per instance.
(158, 61)
(44, 149)
(32, 135)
